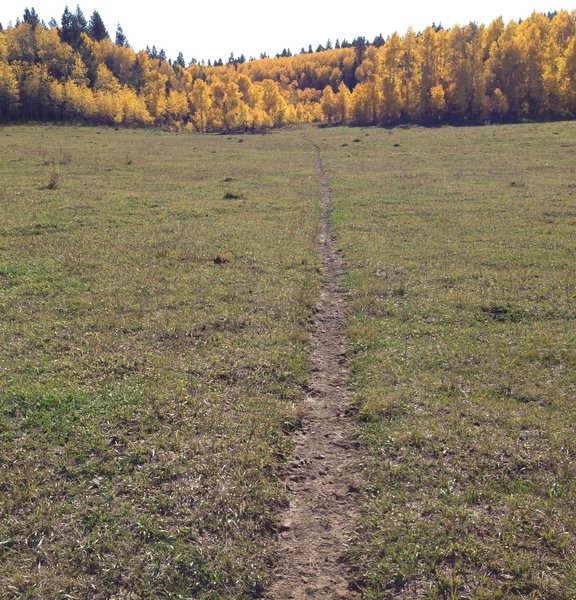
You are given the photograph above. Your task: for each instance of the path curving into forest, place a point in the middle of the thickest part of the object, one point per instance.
(324, 474)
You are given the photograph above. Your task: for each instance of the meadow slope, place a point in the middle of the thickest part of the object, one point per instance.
(460, 248)
(157, 294)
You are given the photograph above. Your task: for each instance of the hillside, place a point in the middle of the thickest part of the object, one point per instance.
(74, 72)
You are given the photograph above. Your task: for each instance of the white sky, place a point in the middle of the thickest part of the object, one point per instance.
(212, 30)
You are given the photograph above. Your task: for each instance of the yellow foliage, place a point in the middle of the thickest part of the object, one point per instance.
(524, 69)
(176, 105)
(105, 81)
(3, 46)
(8, 90)
(57, 57)
(438, 99)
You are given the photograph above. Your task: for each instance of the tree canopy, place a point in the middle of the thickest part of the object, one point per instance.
(73, 71)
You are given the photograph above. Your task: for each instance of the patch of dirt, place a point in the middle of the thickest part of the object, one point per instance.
(324, 476)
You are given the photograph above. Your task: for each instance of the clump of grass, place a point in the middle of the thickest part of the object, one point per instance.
(65, 156)
(222, 258)
(53, 179)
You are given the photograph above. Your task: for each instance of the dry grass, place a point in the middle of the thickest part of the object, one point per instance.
(460, 244)
(147, 387)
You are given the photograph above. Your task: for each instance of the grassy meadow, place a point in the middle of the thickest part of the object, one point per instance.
(461, 247)
(156, 295)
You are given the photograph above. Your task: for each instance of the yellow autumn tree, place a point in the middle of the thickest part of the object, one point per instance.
(177, 108)
(390, 74)
(328, 104)
(200, 99)
(567, 76)
(9, 92)
(343, 103)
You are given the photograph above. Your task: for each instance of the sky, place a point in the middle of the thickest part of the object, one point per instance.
(215, 29)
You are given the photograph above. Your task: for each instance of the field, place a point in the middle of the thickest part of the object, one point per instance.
(157, 295)
(155, 314)
(461, 252)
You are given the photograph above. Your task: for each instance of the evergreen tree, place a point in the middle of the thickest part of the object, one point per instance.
(72, 27)
(121, 38)
(378, 41)
(66, 26)
(360, 44)
(180, 60)
(96, 28)
(31, 17)
(162, 54)
(80, 20)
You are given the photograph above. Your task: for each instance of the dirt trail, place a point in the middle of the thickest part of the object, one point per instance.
(324, 474)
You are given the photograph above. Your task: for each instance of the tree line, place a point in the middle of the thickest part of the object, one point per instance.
(73, 71)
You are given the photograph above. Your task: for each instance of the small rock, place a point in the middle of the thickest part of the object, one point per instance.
(286, 525)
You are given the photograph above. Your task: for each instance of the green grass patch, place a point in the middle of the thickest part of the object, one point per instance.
(462, 329)
(154, 323)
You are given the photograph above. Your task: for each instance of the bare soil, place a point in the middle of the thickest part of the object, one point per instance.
(324, 475)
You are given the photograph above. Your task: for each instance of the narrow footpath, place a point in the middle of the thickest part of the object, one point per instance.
(324, 475)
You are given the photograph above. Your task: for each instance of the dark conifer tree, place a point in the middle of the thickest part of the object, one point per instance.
(121, 38)
(80, 20)
(66, 26)
(180, 60)
(96, 28)
(72, 27)
(31, 17)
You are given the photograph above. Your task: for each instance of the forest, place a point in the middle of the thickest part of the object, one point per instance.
(73, 71)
